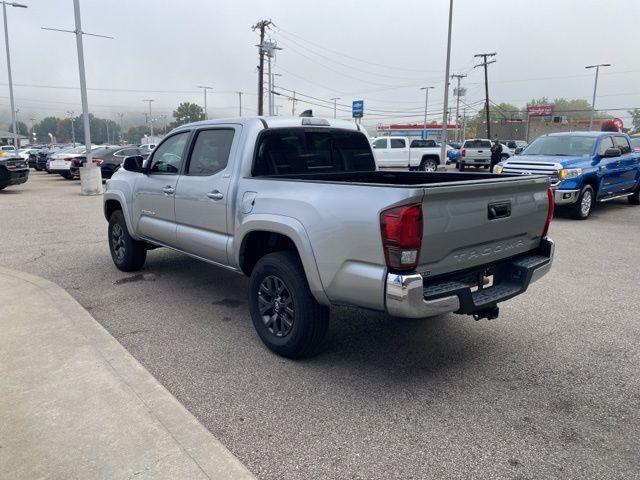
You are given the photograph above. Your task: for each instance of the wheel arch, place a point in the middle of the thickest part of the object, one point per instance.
(115, 201)
(263, 234)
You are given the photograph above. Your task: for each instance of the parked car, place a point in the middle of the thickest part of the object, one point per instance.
(44, 155)
(109, 158)
(148, 146)
(299, 206)
(402, 152)
(13, 171)
(61, 161)
(454, 152)
(476, 152)
(583, 167)
(512, 145)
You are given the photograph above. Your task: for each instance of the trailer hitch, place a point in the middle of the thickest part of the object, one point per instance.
(490, 313)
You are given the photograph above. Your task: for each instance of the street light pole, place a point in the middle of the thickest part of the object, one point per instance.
(426, 103)
(445, 107)
(335, 110)
(240, 103)
(73, 130)
(150, 118)
(205, 88)
(6, 42)
(595, 87)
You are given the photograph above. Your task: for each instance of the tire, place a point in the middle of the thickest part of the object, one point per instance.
(635, 198)
(127, 254)
(287, 318)
(3, 187)
(428, 165)
(582, 208)
(461, 167)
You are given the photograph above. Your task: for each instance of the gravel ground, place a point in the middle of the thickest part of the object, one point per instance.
(548, 390)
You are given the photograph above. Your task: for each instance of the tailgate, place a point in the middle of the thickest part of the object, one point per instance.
(478, 152)
(473, 223)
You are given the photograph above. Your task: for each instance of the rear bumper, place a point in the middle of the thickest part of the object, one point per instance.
(474, 161)
(410, 297)
(564, 197)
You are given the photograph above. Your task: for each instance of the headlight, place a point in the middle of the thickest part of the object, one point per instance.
(498, 168)
(567, 173)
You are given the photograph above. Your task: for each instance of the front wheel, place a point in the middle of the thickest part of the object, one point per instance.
(582, 208)
(127, 253)
(286, 316)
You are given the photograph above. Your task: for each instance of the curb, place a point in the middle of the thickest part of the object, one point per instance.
(197, 443)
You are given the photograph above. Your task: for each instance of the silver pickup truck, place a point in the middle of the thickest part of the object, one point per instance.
(298, 205)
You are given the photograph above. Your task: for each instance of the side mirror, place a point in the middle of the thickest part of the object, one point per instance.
(612, 152)
(519, 150)
(133, 164)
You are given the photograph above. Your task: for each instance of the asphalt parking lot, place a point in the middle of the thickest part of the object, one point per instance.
(551, 389)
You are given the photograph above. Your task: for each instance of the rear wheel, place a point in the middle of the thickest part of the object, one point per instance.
(286, 316)
(127, 253)
(428, 165)
(461, 167)
(582, 208)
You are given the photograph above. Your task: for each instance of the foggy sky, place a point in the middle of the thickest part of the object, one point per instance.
(542, 49)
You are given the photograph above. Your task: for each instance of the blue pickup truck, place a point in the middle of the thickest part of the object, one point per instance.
(584, 168)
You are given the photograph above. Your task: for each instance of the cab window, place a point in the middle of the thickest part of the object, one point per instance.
(168, 156)
(398, 143)
(605, 144)
(380, 143)
(623, 144)
(211, 152)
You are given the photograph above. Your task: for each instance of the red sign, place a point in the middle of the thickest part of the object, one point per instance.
(618, 123)
(540, 110)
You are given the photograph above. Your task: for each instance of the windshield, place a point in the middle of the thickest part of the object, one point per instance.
(563, 146)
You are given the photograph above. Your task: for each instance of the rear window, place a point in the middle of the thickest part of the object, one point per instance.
(477, 144)
(423, 143)
(285, 151)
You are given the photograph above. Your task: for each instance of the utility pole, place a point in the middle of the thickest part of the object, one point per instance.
(33, 133)
(269, 48)
(205, 88)
(595, 87)
(6, 43)
(164, 124)
(426, 104)
(106, 122)
(240, 104)
(293, 105)
(458, 77)
(150, 118)
(90, 176)
(262, 26)
(335, 109)
(73, 130)
(120, 115)
(464, 124)
(443, 148)
(485, 63)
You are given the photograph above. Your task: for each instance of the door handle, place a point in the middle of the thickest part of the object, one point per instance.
(215, 195)
(168, 190)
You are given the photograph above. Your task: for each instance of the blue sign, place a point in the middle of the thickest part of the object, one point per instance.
(357, 108)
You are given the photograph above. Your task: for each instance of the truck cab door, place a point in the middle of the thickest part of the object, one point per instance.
(202, 195)
(153, 205)
(628, 166)
(399, 152)
(610, 170)
(382, 152)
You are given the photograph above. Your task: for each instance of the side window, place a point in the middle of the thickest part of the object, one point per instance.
(211, 152)
(398, 143)
(623, 144)
(380, 143)
(605, 143)
(168, 156)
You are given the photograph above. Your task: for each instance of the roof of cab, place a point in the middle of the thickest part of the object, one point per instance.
(584, 133)
(277, 122)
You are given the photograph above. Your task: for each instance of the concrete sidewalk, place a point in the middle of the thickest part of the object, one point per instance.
(75, 404)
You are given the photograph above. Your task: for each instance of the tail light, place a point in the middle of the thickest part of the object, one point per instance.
(549, 212)
(97, 161)
(463, 153)
(401, 229)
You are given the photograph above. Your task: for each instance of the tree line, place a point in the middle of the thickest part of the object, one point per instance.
(105, 130)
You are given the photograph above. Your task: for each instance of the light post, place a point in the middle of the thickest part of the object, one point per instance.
(150, 118)
(443, 148)
(204, 89)
(335, 109)
(90, 176)
(73, 130)
(426, 103)
(6, 42)
(595, 86)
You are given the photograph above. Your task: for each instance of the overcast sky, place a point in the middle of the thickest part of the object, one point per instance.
(378, 51)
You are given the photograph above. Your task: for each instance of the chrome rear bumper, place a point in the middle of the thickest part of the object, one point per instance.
(406, 295)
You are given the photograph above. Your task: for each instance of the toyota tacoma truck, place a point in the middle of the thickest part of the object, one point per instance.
(298, 206)
(583, 167)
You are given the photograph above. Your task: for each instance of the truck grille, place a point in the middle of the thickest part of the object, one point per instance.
(533, 168)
